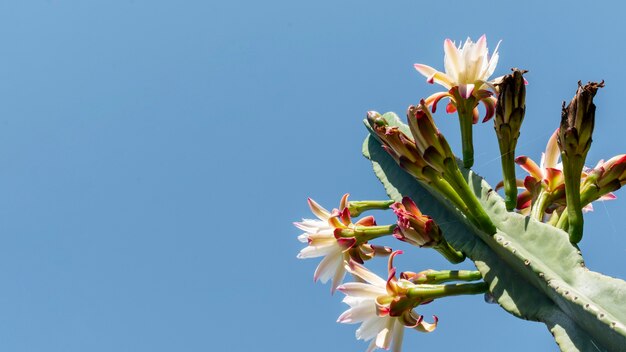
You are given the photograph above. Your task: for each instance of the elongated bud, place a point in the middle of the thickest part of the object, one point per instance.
(511, 103)
(430, 143)
(400, 146)
(578, 120)
(574, 140)
(510, 110)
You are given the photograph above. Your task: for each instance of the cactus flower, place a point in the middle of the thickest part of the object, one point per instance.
(382, 307)
(333, 237)
(468, 69)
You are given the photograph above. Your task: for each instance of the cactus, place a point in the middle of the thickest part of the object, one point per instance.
(525, 247)
(532, 269)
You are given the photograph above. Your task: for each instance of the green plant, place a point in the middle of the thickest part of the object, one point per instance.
(525, 248)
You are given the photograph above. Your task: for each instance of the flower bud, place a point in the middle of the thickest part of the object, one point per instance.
(414, 227)
(430, 143)
(574, 140)
(577, 121)
(510, 110)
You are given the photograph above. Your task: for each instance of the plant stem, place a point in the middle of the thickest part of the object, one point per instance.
(507, 158)
(449, 192)
(539, 208)
(452, 255)
(437, 277)
(367, 233)
(466, 119)
(572, 168)
(456, 179)
(430, 292)
(358, 207)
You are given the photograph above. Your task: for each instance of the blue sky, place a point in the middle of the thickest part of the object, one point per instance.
(154, 154)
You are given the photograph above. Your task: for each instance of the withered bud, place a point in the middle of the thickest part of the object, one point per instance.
(578, 120)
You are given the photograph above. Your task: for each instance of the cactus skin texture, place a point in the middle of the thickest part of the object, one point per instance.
(532, 269)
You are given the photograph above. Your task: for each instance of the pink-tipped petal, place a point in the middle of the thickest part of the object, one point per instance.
(475, 116)
(466, 90)
(530, 166)
(366, 221)
(425, 70)
(359, 270)
(318, 210)
(344, 201)
(427, 327)
(433, 100)
(608, 196)
(490, 108)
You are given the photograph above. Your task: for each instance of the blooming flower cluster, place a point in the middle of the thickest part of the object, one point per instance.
(554, 189)
(383, 307)
(333, 236)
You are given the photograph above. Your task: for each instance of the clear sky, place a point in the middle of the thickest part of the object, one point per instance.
(154, 154)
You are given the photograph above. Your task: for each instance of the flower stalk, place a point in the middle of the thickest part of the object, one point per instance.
(574, 141)
(358, 207)
(438, 277)
(510, 110)
(430, 292)
(465, 110)
(437, 154)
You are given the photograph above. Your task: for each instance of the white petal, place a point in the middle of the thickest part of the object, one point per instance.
(318, 251)
(552, 152)
(452, 60)
(383, 339)
(360, 271)
(371, 347)
(370, 328)
(328, 266)
(398, 335)
(360, 289)
(313, 226)
(493, 62)
(340, 273)
(361, 312)
(318, 210)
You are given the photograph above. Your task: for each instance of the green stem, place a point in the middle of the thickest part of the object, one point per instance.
(456, 179)
(430, 292)
(563, 222)
(572, 170)
(539, 208)
(443, 187)
(508, 174)
(451, 254)
(466, 119)
(358, 207)
(367, 233)
(437, 277)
